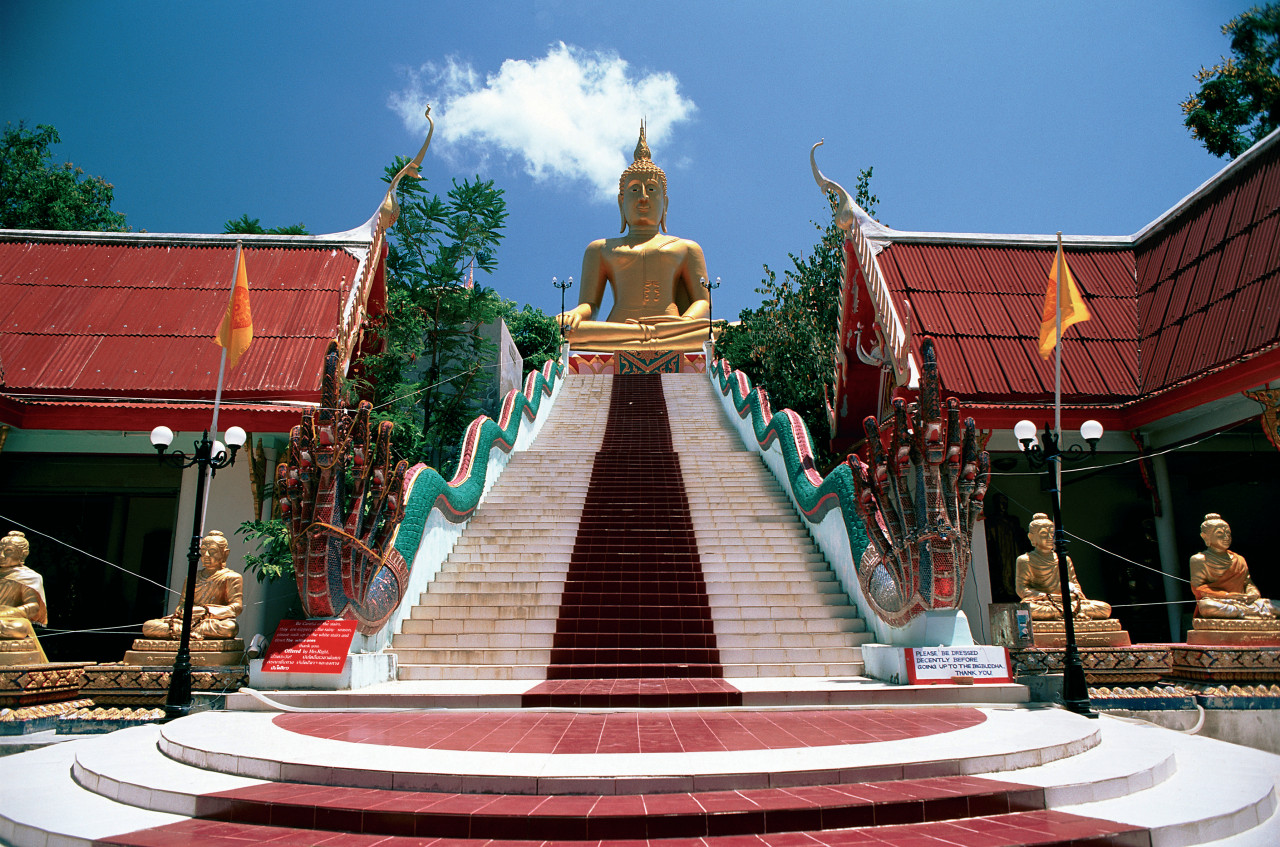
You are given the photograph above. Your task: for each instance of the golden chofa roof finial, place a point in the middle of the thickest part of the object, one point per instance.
(390, 208)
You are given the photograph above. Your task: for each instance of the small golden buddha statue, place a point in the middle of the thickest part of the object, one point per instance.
(219, 598)
(660, 302)
(1036, 578)
(22, 603)
(1220, 578)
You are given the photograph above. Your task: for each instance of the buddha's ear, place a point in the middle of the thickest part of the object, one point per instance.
(662, 221)
(622, 212)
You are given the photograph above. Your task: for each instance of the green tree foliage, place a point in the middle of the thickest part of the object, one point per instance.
(431, 372)
(787, 344)
(36, 194)
(245, 225)
(535, 333)
(274, 559)
(1239, 98)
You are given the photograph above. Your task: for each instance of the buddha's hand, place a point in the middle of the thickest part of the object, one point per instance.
(658, 319)
(569, 320)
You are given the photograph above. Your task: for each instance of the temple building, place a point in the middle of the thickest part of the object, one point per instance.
(1179, 362)
(104, 336)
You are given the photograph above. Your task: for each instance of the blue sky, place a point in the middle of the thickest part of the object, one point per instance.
(977, 117)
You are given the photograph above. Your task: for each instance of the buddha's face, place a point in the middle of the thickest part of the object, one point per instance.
(12, 554)
(643, 201)
(1217, 537)
(213, 552)
(1041, 537)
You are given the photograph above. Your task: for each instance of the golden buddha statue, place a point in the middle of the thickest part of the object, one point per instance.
(1036, 578)
(22, 603)
(1220, 578)
(219, 598)
(660, 302)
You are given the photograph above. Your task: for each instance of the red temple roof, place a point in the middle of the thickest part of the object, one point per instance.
(1185, 312)
(91, 322)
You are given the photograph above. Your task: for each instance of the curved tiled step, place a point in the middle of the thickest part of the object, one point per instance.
(253, 745)
(1011, 830)
(127, 792)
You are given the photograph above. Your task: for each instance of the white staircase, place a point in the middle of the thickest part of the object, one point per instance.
(491, 613)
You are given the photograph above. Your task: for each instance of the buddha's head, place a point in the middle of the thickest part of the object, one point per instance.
(1216, 533)
(14, 548)
(214, 550)
(1040, 532)
(642, 190)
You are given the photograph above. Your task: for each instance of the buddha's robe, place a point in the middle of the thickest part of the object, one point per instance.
(219, 599)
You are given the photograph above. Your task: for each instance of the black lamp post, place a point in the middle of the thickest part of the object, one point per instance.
(710, 286)
(209, 455)
(563, 286)
(1075, 690)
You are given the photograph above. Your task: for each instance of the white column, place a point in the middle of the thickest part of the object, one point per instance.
(1169, 563)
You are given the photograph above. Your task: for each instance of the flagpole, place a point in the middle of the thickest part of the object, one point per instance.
(217, 395)
(1057, 378)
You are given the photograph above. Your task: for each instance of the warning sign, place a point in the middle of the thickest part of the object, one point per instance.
(310, 647)
(977, 663)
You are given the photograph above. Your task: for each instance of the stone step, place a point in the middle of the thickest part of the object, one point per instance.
(470, 641)
(786, 640)
(409, 673)
(407, 656)
(499, 611)
(469, 625)
(813, 624)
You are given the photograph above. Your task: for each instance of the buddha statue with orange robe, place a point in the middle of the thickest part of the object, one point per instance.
(219, 595)
(22, 603)
(1220, 578)
(660, 300)
(1037, 580)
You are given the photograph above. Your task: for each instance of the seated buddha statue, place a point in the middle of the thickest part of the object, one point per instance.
(219, 598)
(22, 603)
(1220, 578)
(660, 302)
(1036, 578)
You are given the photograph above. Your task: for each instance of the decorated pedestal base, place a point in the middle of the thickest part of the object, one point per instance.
(21, 651)
(637, 361)
(46, 682)
(1103, 633)
(1234, 633)
(205, 653)
(1143, 663)
(1210, 663)
(134, 685)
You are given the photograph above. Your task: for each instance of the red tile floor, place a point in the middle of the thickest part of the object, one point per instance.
(629, 732)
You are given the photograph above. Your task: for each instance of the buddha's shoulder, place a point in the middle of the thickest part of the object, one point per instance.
(665, 243)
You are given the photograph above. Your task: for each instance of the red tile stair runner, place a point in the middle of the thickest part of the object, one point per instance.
(931, 811)
(635, 603)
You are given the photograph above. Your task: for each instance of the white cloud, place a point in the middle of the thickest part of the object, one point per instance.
(572, 115)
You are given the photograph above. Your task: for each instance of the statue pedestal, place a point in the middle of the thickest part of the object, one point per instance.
(1212, 663)
(1103, 633)
(205, 653)
(136, 685)
(1234, 633)
(43, 682)
(1145, 663)
(21, 651)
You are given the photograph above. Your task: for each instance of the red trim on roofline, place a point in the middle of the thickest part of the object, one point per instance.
(143, 416)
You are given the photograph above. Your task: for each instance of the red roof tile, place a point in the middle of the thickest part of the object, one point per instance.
(984, 304)
(134, 315)
(1195, 293)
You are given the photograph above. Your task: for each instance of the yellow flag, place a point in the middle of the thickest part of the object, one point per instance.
(236, 331)
(1073, 308)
